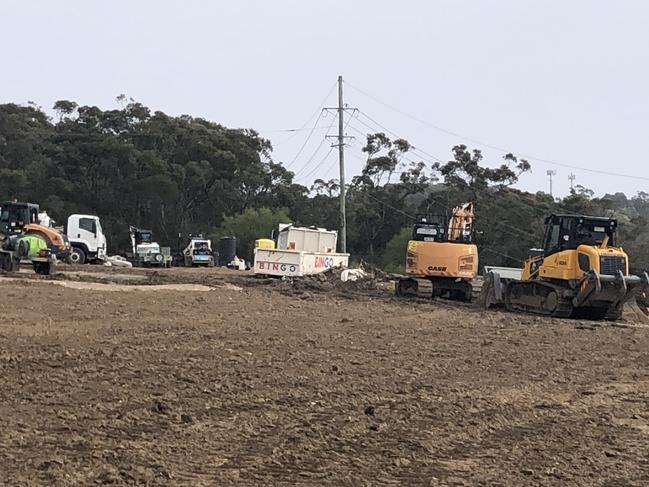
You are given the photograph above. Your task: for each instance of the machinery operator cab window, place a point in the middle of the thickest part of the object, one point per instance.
(143, 237)
(568, 232)
(19, 215)
(428, 232)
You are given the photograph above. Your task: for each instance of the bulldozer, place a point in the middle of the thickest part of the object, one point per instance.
(580, 272)
(441, 258)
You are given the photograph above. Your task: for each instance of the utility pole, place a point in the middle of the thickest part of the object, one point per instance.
(572, 182)
(341, 109)
(551, 173)
(341, 163)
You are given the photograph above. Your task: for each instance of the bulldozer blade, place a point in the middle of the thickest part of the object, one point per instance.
(617, 289)
(491, 294)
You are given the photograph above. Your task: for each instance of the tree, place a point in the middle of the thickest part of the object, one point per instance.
(466, 173)
(378, 204)
(393, 257)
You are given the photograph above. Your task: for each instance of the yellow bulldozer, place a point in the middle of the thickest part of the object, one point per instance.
(580, 272)
(441, 259)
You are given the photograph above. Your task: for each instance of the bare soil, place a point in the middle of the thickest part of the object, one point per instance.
(262, 382)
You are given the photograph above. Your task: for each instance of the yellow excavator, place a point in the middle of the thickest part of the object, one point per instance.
(580, 272)
(441, 259)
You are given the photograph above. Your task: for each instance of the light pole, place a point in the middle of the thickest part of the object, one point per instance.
(551, 173)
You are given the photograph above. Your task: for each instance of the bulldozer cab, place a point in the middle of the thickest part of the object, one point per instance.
(565, 232)
(15, 216)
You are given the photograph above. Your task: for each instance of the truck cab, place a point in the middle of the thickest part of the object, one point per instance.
(87, 239)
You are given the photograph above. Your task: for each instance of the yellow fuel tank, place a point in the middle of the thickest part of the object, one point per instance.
(265, 243)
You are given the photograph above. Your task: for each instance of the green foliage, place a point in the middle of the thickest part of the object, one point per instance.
(251, 225)
(133, 167)
(393, 258)
(465, 173)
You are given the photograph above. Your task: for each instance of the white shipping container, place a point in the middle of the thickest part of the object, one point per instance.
(308, 239)
(281, 262)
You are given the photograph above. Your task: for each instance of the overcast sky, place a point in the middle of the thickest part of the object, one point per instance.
(560, 80)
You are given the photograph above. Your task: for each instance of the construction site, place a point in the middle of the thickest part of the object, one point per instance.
(222, 262)
(305, 367)
(214, 377)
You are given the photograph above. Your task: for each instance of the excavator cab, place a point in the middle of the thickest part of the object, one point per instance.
(428, 229)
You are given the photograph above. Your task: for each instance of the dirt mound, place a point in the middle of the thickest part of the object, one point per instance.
(330, 282)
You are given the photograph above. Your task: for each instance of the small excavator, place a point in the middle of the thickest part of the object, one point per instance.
(580, 272)
(441, 259)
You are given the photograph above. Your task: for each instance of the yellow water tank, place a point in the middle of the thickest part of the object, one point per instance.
(264, 243)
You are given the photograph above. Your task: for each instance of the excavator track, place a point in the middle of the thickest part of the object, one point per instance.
(422, 287)
(538, 297)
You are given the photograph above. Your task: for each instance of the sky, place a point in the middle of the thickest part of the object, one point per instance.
(560, 82)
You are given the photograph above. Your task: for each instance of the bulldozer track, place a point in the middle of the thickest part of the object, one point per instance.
(550, 298)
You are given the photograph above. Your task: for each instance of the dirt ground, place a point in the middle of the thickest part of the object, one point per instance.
(233, 380)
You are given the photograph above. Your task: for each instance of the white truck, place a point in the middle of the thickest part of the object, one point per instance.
(87, 239)
(300, 252)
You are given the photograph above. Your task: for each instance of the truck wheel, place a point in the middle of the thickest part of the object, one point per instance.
(77, 256)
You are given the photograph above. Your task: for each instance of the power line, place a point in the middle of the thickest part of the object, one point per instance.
(317, 166)
(484, 248)
(301, 129)
(308, 137)
(510, 229)
(391, 207)
(304, 166)
(413, 148)
(319, 110)
(325, 157)
(360, 132)
(405, 157)
(491, 146)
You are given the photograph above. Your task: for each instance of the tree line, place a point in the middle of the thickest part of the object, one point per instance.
(185, 175)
